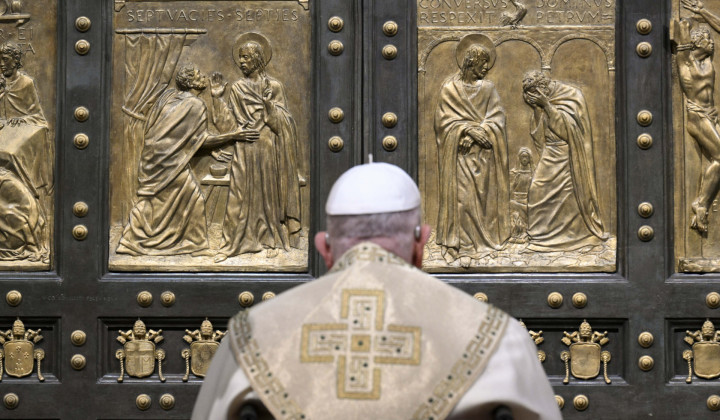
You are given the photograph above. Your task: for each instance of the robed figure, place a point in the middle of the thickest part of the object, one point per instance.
(263, 207)
(563, 208)
(169, 217)
(473, 218)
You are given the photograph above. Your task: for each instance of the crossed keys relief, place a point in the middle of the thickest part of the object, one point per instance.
(19, 352)
(139, 353)
(705, 352)
(585, 355)
(360, 346)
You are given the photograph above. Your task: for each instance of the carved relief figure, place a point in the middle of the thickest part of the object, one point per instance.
(520, 180)
(169, 216)
(263, 207)
(473, 218)
(512, 19)
(563, 209)
(25, 157)
(696, 73)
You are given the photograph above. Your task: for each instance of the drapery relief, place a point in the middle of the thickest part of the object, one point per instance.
(28, 57)
(516, 129)
(694, 28)
(209, 142)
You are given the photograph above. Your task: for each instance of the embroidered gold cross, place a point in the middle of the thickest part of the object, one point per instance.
(361, 345)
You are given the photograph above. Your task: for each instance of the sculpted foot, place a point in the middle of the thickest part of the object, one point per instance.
(220, 258)
(700, 219)
(465, 262)
(273, 252)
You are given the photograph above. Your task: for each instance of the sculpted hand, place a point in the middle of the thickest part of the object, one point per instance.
(267, 93)
(217, 84)
(465, 144)
(246, 135)
(222, 155)
(480, 137)
(694, 6)
(16, 121)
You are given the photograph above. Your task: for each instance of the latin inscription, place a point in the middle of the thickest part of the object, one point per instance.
(170, 15)
(539, 12)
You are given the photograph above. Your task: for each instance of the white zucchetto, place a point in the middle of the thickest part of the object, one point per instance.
(371, 189)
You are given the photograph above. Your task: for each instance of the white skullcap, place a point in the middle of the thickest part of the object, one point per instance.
(371, 189)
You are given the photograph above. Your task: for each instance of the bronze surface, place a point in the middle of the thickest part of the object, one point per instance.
(482, 162)
(253, 61)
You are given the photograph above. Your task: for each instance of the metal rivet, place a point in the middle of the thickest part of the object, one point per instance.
(336, 115)
(11, 401)
(81, 141)
(645, 209)
(78, 362)
(268, 295)
(246, 299)
(167, 401)
(82, 47)
(390, 28)
(336, 47)
(390, 143)
(644, 49)
(646, 233)
(389, 52)
(13, 298)
(560, 401)
(581, 402)
(335, 144)
(143, 402)
(80, 209)
(645, 141)
(712, 300)
(389, 119)
(80, 232)
(78, 337)
(482, 297)
(167, 299)
(643, 26)
(82, 24)
(144, 298)
(336, 24)
(646, 363)
(81, 113)
(644, 118)
(579, 300)
(645, 339)
(713, 403)
(555, 300)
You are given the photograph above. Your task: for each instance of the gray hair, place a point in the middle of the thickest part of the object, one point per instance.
(397, 227)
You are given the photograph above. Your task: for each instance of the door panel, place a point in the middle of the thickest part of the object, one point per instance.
(359, 78)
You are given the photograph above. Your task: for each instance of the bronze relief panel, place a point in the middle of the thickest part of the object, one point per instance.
(28, 57)
(517, 134)
(694, 29)
(210, 136)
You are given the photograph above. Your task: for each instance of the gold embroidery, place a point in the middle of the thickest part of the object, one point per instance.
(367, 252)
(266, 385)
(464, 372)
(370, 344)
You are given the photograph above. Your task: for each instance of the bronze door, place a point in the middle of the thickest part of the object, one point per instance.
(570, 200)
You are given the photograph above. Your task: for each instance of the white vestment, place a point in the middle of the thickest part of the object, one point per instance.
(376, 338)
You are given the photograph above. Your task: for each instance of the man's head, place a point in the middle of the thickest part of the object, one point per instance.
(476, 62)
(701, 40)
(525, 156)
(536, 80)
(10, 59)
(189, 77)
(376, 202)
(251, 58)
